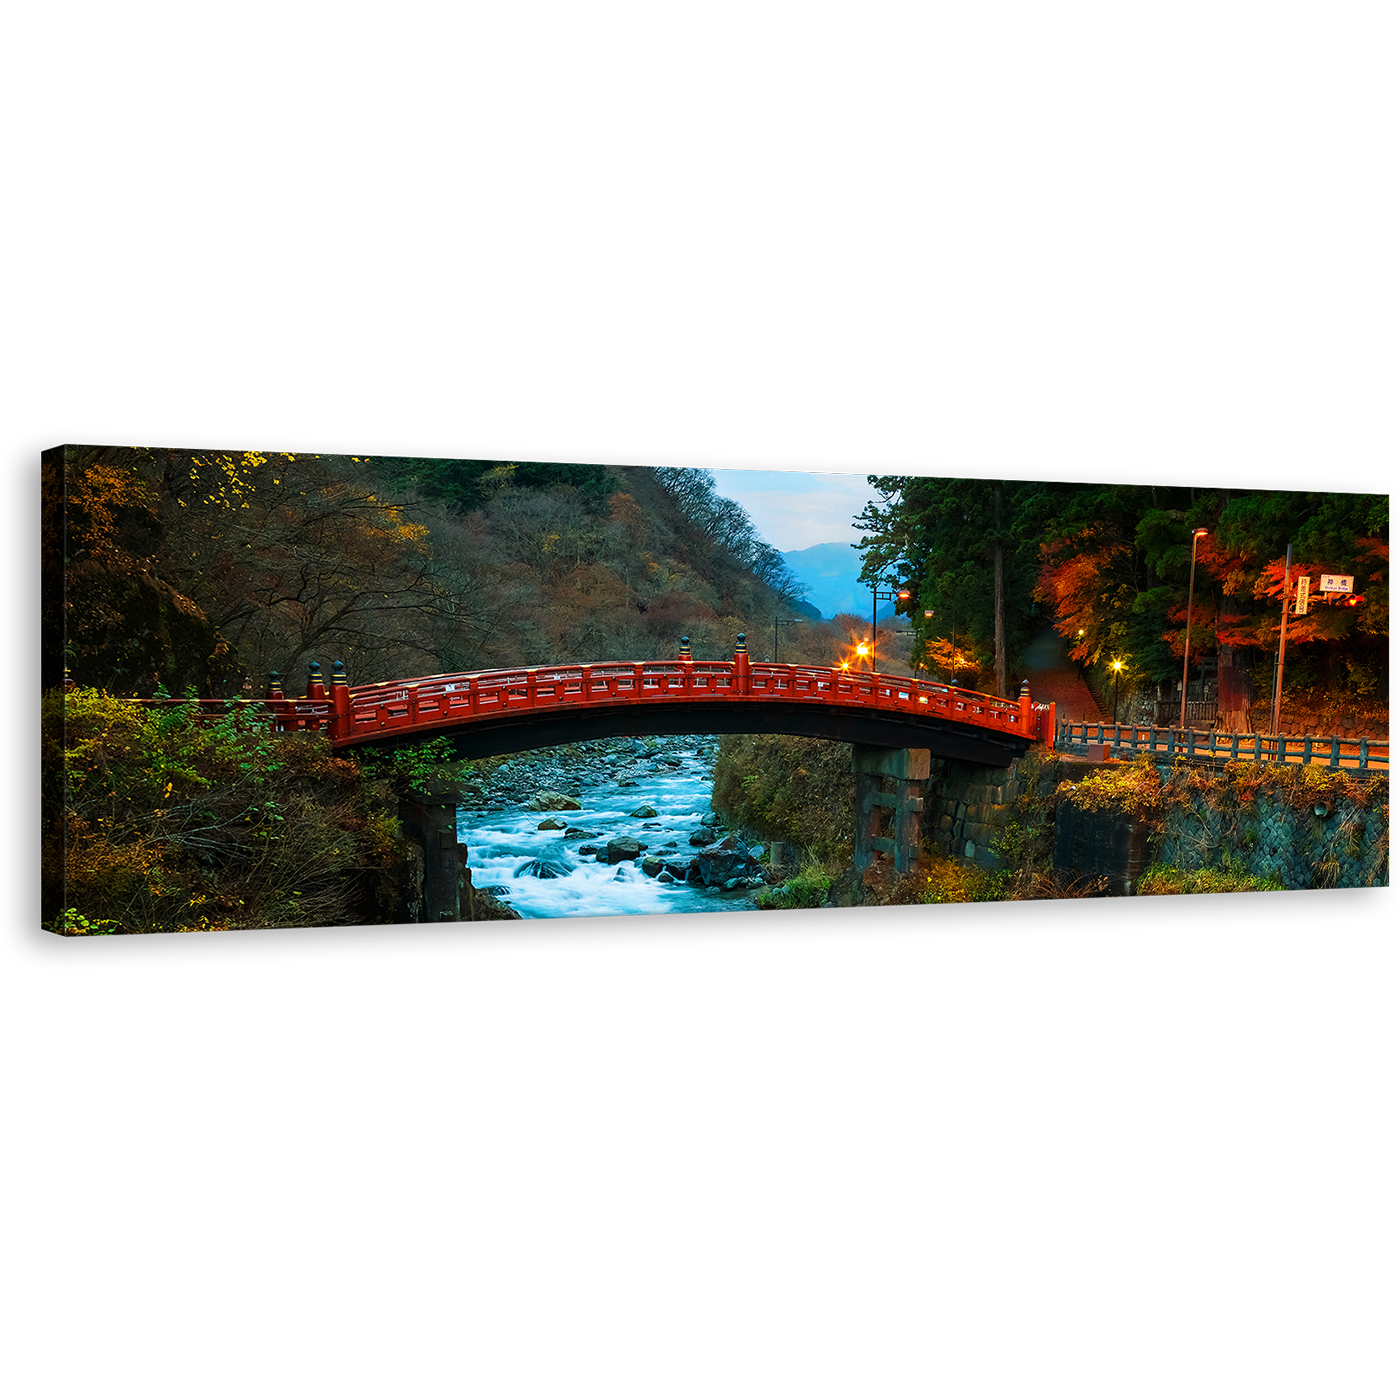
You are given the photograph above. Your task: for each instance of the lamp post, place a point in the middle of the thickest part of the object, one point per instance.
(1190, 598)
(1117, 671)
(876, 594)
(791, 622)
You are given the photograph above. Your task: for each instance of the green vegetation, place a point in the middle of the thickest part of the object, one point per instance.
(1232, 878)
(794, 790)
(806, 890)
(425, 767)
(152, 822)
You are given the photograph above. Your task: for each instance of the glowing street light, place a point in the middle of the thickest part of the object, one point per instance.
(902, 594)
(1117, 671)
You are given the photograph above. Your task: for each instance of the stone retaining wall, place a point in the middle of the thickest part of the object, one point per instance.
(970, 812)
(981, 815)
(1302, 850)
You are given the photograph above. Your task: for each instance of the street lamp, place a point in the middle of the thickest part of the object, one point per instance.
(1190, 598)
(876, 594)
(1117, 671)
(791, 622)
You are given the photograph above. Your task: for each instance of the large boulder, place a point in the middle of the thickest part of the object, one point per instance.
(644, 811)
(703, 837)
(622, 848)
(678, 869)
(723, 861)
(652, 865)
(553, 802)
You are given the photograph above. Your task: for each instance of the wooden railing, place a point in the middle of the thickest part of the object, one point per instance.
(1194, 744)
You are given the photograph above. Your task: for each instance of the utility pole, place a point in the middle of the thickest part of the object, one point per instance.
(998, 599)
(1282, 636)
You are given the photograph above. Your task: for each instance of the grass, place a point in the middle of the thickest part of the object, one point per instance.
(1232, 879)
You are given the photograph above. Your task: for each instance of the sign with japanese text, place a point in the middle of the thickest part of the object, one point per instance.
(1304, 584)
(1336, 583)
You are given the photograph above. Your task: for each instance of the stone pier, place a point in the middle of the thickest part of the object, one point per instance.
(430, 820)
(889, 799)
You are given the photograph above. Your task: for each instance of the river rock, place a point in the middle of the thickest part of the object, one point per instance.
(550, 824)
(622, 848)
(678, 869)
(489, 907)
(722, 861)
(553, 802)
(643, 811)
(665, 878)
(576, 833)
(703, 837)
(652, 865)
(589, 850)
(544, 869)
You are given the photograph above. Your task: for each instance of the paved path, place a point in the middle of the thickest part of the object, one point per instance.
(1054, 677)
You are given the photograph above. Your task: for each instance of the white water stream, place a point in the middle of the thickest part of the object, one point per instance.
(501, 842)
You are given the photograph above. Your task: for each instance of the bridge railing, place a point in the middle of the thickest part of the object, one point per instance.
(1198, 745)
(426, 704)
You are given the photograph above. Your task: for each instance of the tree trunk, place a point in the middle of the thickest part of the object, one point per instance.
(1232, 680)
(998, 599)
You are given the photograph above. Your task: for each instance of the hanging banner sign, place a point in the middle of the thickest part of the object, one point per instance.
(1304, 584)
(1336, 583)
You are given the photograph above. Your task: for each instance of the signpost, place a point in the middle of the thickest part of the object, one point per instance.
(1336, 583)
(1301, 607)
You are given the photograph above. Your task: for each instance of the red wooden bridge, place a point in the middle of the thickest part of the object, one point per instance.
(496, 712)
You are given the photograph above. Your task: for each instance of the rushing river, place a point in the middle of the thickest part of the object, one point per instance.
(502, 842)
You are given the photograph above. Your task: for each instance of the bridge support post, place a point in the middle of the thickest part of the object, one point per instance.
(907, 770)
(430, 819)
(339, 726)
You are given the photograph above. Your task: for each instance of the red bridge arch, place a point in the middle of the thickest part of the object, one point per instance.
(498, 712)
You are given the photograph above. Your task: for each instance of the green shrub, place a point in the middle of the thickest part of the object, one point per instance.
(153, 822)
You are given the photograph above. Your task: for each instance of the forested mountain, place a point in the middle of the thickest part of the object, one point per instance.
(1109, 566)
(210, 569)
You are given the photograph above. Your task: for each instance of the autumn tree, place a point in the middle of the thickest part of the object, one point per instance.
(110, 614)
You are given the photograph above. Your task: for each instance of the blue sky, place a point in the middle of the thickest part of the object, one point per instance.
(793, 510)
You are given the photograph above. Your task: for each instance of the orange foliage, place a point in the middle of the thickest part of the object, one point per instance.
(1081, 581)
